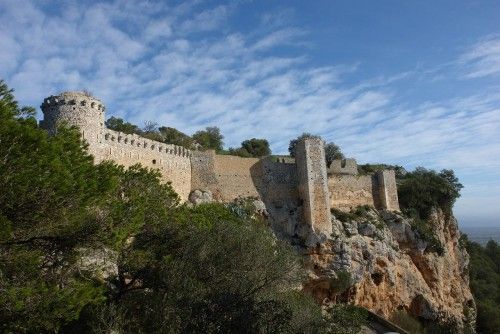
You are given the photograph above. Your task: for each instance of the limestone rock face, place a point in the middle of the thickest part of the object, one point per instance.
(394, 268)
(199, 196)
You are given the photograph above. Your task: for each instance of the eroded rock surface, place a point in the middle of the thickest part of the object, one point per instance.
(394, 267)
(199, 196)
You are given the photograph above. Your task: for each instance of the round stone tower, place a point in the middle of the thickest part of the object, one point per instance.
(74, 109)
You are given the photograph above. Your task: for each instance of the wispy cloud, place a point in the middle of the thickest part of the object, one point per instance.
(483, 58)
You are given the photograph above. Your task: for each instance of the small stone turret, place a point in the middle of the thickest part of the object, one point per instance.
(74, 109)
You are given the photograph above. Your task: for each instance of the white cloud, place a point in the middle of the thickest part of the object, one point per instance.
(483, 58)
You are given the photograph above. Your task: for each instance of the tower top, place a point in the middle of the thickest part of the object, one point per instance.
(82, 99)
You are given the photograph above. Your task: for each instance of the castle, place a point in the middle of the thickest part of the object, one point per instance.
(294, 190)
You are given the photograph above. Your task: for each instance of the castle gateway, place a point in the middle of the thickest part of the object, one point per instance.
(294, 190)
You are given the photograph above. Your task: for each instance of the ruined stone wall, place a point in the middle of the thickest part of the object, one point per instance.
(275, 180)
(203, 170)
(343, 166)
(279, 179)
(229, 177)
(313, 184)
(226, 176)
(350, 191)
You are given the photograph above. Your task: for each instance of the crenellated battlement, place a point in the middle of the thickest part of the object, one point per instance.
(147, 145)
(343, 166)
(71, 99)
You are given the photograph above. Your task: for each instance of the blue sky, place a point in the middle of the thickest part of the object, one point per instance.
(414, 83)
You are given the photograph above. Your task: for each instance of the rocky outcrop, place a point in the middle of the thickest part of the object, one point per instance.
(199, 196)
(394, 266)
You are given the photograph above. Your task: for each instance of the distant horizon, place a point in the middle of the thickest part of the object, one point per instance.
(401, 83)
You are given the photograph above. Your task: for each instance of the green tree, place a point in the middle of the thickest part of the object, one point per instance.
(176, 137)
(370, 169)
(422, 190)
(346, 319)
(210, 138)
(48, 186)
(118, 124)
(256, 147)
(240, 152)
(150, 131)
(229, 272)
(484, 276)
(332, 152)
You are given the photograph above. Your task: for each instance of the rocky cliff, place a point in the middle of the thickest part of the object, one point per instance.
(395, 264)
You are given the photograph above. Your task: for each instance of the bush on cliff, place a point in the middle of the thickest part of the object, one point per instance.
(422, 190)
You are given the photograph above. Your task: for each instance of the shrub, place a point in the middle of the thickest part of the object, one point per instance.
(484, 276)
(426, 233)
(346, 319)
(407, 322)
(422, 190)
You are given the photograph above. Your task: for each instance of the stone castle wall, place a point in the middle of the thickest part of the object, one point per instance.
(229, 177)
(74, 109)
(87, 113)
(343, 166)
(282, 183)
(173, 161)
(378, 190)
(388, 191)
(350, 191)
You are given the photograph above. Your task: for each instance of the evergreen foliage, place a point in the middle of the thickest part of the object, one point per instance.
(332, 152)
(484, 273)
(210, 138)
(422, 190)
(176, 137)
(346, 319)
(254, 147)
(118, 124)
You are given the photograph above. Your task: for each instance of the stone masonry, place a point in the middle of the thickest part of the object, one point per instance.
(313, 184)
(301, 185)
